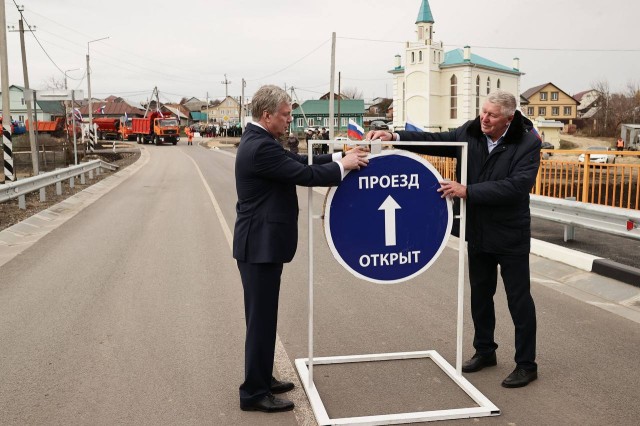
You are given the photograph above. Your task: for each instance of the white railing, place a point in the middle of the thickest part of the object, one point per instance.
(570, 213)
(21, 188)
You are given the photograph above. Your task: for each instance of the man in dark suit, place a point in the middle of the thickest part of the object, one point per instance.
(502, 165)
(266, 232)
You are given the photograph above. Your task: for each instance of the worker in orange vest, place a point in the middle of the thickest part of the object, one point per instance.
(189, 133)
(620, 144)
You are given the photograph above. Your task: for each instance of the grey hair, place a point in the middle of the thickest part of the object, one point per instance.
(505, 100)
(268, 98)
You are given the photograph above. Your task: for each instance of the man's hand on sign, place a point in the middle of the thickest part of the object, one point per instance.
(384, 135)
(355, 158)
(358, 149)
(450, 189)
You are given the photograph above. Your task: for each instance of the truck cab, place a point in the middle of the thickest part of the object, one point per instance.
(166, 130)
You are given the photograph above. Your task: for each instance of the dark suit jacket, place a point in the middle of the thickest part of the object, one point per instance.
(266, 229)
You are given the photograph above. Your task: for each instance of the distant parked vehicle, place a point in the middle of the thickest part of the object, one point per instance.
(547, 145)
(341, 143)
(598, 158)
(378, 125)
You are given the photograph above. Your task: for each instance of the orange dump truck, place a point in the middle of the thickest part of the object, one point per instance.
(126, 132)
(156, 128)
(108, 128)
(54, 127)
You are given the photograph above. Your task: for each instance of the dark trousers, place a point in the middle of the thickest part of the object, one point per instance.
(261, 283)
(483, 275)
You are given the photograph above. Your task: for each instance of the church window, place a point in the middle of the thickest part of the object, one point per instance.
(420, 56)
(454, 97)
(488, 85)
(477, 95)
(498, 84)
(413, 57)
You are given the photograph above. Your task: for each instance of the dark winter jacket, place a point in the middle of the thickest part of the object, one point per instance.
(498, 184)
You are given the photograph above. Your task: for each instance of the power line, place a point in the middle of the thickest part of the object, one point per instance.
(558, 49)
(290, 65)
(34, 36)
(137, 57)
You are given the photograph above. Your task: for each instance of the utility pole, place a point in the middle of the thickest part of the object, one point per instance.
(33, 141)
(91, 129)
(66, 108)
(339, 99)
(331, 94)
(226, 86)
(242, 113)
(7, 146)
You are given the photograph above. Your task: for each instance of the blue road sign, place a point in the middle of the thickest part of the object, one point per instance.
(387, 223)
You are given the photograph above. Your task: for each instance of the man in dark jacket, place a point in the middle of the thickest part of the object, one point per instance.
(266, 232)
(503, 161)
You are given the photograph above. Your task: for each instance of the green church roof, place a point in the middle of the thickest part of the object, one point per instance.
(456, 57)
(425, 13)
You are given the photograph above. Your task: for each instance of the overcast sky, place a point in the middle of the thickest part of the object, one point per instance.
(186, 47)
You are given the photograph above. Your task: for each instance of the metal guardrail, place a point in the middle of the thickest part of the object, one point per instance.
(612, 220)
(21, 188)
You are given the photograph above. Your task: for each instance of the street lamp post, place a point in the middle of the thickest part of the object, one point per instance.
(89, 85)
(65, 76)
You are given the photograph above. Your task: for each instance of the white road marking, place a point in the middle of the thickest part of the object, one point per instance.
(303, 412)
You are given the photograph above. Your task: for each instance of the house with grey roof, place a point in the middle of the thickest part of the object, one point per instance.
(441, 90)
(45, 110)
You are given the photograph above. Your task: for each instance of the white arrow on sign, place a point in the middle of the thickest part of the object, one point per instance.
(389, 206)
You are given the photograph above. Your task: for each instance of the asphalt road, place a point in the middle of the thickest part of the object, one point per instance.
(131, 313)
(619, 249)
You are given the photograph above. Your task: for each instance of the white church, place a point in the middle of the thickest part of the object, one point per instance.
(441, 90)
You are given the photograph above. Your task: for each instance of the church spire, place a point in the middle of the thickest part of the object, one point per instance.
(424, 23)
(425, 13)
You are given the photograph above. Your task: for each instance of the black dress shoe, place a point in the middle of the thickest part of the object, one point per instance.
(268, 404)
(519, 378)
(280, 387)
(478, 362)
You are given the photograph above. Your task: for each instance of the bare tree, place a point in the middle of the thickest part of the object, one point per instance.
(54, 83)
(603, 114)
(351, 93)
(615, 109)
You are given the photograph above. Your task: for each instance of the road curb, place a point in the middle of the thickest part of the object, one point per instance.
(587, 262)
(617, 271)
(19, 237)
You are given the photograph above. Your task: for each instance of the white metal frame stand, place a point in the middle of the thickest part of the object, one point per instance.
(305, 365)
